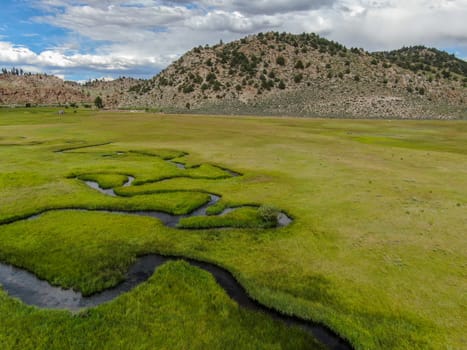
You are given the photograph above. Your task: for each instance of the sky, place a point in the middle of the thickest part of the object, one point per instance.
(95, 39)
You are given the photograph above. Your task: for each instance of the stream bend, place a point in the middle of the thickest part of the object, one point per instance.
(31, 290)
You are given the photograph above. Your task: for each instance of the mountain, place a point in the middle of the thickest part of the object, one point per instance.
(42, 89)
(437, 64)
(300, 75)
(112, 92)
(306, 75)
(18, 88)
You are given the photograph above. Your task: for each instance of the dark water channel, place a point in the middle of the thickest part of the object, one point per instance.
(31, 290)
(26, 286)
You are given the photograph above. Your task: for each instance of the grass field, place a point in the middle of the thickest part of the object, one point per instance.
(377, 250)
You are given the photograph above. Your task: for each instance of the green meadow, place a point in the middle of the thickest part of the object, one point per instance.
(377, 250)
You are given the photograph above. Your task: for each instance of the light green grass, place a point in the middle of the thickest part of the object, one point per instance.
(242, 217)
(105, 181)
(377, 250)
(180, 307)
(177, 203)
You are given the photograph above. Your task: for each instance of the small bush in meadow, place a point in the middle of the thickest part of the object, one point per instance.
(268, 213)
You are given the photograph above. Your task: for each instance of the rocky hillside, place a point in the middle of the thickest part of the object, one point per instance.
(42, 89)
(112, 92)
(435, 63)
(305, 75)
(39, 89)
(275, 74)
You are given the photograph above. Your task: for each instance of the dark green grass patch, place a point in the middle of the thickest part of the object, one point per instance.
(218, 208)
(176, 203)
(161, 153)
(144, 169)
(246, 217)
(86, 254)
(203, 171)
(81, 147)
(180, 307)
(105, 181)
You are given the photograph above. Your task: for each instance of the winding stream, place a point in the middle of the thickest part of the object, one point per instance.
(31, 290)
(108, 191)
(26, 286)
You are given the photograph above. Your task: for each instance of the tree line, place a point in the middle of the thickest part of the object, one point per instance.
(18, 72)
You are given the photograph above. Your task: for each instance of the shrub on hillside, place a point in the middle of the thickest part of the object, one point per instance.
(280, 61)
(299, 65)
(98, 102)
(298, 78)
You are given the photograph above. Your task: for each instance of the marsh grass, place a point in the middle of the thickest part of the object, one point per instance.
(246, 217)
(105, 181)
(377, 250)
(172, 202)
(179, 307)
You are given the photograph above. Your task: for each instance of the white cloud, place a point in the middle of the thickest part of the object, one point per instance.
(15, 54)
(269, 6)
(390, 24)
(234, 22)
(86, 19)
(50, 59)
(146, 35)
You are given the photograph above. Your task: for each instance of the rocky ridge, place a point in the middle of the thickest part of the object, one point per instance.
(300, 75)
(305, 75)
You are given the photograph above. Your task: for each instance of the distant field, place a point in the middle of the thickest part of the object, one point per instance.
(377, 250)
